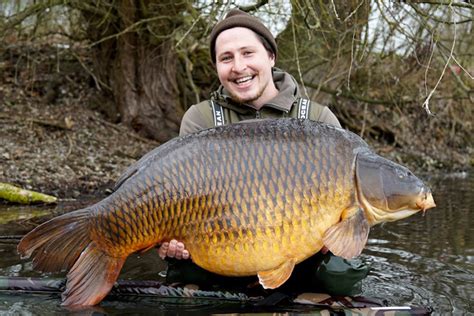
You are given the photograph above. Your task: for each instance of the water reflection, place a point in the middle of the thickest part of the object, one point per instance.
(421, 261)
(428, 260)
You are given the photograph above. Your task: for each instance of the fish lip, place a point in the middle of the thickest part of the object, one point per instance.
(426, 202)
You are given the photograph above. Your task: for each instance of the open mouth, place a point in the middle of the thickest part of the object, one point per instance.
(243, 80)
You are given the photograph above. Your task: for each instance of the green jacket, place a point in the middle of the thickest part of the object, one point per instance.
(201, 116)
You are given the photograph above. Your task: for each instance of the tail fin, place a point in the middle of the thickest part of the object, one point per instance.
(64, 243)
(91, 277)
(56, 244)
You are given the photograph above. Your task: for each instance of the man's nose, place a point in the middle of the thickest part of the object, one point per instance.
(239, 64)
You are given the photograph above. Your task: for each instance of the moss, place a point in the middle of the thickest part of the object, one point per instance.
(16, 194)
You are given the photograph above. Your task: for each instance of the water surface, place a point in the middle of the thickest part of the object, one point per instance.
(420, 261)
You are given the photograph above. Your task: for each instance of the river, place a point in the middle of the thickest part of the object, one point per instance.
(425, 260)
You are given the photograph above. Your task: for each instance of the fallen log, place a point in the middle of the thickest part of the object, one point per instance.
(15, 194)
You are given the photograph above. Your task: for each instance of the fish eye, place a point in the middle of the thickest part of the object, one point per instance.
(401, 174)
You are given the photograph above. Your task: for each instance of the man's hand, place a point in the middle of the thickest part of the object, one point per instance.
(173, 249)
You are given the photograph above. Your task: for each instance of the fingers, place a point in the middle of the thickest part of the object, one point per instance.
(173, 249)
(163, 250)
(176, 249)
(186, 254)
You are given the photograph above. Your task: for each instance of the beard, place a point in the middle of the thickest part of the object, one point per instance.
(248, 99)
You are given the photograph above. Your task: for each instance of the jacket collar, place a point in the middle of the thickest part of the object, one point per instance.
(283, 101)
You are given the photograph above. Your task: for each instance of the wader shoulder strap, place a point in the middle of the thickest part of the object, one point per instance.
(217, 113)
(303, 108)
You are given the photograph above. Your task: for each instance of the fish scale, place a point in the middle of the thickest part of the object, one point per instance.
(245, 199)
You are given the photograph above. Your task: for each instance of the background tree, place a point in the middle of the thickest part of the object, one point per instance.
(376, 63)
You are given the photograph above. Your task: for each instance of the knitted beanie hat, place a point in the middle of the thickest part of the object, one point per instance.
(238, 18)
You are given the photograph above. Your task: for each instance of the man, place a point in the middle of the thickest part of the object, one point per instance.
(244, 52)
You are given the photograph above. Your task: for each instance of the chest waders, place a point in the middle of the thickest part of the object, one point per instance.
(303, 110)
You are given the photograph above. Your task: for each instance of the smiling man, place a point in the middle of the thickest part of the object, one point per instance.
(244, 67)
(244, 52)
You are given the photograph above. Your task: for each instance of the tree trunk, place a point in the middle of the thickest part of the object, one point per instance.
(139, 70)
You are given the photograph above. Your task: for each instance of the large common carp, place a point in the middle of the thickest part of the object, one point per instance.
(252, 198)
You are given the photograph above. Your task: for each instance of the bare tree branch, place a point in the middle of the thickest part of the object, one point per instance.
(41, 6)
(254, 7)
(446, 3)
(426, 104)
(131, 28)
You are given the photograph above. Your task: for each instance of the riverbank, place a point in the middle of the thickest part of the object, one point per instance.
(68, 150)
(54, 140)
(64, 151)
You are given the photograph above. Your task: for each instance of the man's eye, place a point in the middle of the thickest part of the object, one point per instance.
(225, 58)
(248, 53)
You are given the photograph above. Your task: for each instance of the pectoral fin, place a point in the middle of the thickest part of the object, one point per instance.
(271, 279)
(347, 238)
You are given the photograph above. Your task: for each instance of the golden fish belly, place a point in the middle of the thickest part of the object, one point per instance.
(266, 236)
(241, 252)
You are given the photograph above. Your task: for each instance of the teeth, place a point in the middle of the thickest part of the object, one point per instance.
(243, 79)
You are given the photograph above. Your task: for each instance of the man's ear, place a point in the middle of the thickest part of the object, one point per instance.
(272, 58)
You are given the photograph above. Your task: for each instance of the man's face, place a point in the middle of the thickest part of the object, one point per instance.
(244, 66)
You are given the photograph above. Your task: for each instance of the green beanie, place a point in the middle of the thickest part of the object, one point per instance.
(238, 18)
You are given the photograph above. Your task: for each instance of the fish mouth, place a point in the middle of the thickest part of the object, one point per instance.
(419, 202)
(426, 202)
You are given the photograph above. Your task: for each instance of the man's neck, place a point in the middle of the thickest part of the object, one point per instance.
(268, 95)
